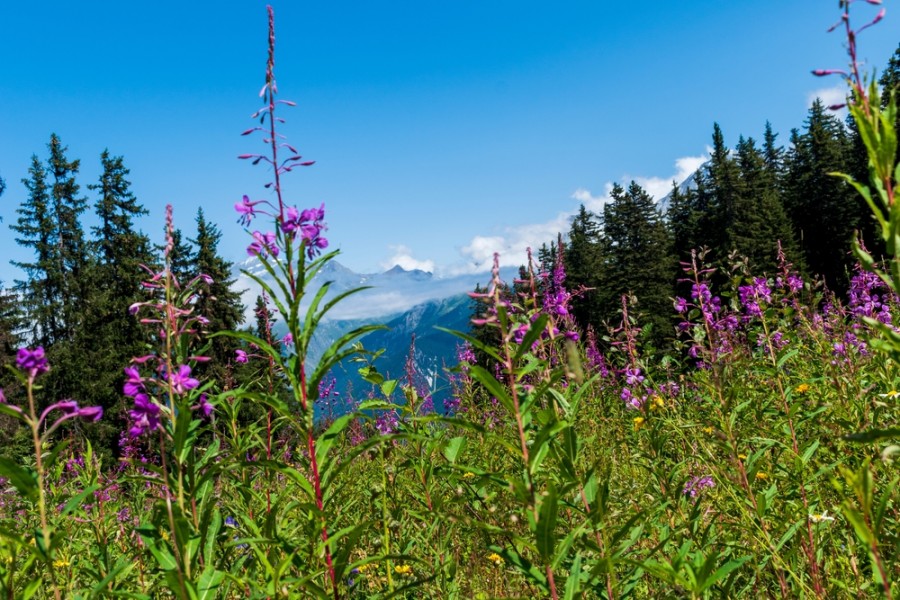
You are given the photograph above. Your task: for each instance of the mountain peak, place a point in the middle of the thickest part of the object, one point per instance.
(416, 274)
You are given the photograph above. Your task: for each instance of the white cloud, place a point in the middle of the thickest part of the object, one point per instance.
(829, 97)
(512, 242)
(404, 258)
(659, 187)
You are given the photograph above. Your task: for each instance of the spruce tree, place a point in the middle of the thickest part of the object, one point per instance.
(584, 267)
(70, 252)
(637, 255)
(109, 336)
(35, 229)
(822, 208)
(219, 302)
(760, 221)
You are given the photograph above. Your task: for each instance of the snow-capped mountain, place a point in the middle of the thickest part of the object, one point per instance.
(407, 302)
(690, 183)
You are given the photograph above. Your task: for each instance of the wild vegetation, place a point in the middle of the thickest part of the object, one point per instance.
(697, 405)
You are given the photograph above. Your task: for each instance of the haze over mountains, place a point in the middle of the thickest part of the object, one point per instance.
(408, 302)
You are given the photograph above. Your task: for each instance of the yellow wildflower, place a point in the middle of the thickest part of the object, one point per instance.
(657, 403)
(495, 558)
(762, 475)
(61, 562)
(469, 475)
(742, 457)
(365, 567)
(890, 394)
(402, 569)
(164, 534)
(708, 430)
(802, 388)
(638, 422)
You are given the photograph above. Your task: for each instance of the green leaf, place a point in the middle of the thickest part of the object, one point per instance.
(722, 572)
(78, 500)
(453, 448)
(873, 435)
(326, 440)
(494, 387)
(546, 525)
(573, 583)
(533, 333)
(24, 480)
(863, 532)
(209, 582)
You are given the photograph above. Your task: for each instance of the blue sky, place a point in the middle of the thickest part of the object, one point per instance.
(441, 131)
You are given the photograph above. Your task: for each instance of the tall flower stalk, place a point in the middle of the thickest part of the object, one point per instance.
(291, 254)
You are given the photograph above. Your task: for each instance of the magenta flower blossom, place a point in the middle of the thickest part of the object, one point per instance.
(309, 224)
(204, 407)
(182, 381)
(246, 209)
(134, 384)
(240, 356)
(32, 361)
(288, 340)
(91, 413)
(262, 243)
(697, 484)
(70, 409)
(145, 416)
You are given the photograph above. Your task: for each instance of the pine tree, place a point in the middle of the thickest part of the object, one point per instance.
(71, 250)
(109, 336)
(638, 258)
(36, 230)
(760, 221)
(822, 209)
(181, 258)
(584, 267)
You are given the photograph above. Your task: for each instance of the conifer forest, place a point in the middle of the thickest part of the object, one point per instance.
(689, 397)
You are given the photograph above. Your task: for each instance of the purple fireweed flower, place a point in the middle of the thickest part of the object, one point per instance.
(182, 381)
(32, 361)
(697, 484)
(263, 243)
(70, 409)
(246, 209)
(680, 305)
(309, 224)
(145, 415)
(204, 407)
(288, 339)
(91, 413)
(291, 221)
(134, 384)
(633, 376)
(699, 291)
(386, 422)
(240, 356)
